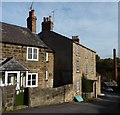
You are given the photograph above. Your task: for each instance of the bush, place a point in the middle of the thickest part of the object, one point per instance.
(87, 85)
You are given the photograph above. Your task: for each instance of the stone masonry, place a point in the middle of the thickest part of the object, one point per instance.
(8, 98)
(48, 96)
(19, 52)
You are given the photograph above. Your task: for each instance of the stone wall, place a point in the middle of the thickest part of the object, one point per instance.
(8, 98)
(19, 52)
(62, 47)
(49, 96)
(77, 73)
(98, 85)
(50, 69)
(88, 57)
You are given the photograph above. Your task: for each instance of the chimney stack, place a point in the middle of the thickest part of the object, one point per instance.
(115, 65)
(31, 21)
(75, 39)
(47, 24)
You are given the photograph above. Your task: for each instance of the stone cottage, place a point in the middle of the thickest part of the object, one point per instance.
(26, 61)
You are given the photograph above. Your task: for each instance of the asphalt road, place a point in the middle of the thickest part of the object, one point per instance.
(108, 104)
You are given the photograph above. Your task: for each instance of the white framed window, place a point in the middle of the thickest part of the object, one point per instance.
(46, 75)
(77, 65)
(78, 86)
(32, 53)
(32, 80)
(46, 56)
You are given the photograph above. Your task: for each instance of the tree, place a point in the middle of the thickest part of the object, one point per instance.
(105, 67)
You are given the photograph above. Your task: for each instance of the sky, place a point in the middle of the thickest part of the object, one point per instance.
(95, 22)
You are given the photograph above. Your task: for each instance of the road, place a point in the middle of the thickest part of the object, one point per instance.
(108, 104)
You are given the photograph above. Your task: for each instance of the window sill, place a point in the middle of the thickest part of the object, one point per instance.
(77, 71)
(31, 86)
(32, 60)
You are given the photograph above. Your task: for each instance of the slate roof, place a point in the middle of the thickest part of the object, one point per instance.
(54, 35)
(19, 35)
(11, 64)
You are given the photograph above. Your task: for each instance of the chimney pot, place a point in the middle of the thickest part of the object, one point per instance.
(47, 18)
(47, 24)
(75, 39)
(50, 18)
(32, 12)
(44, 19)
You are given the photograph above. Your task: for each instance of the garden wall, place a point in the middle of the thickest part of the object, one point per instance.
(49, 96)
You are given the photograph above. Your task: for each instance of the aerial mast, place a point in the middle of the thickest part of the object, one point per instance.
(53, 13)
(31, 6)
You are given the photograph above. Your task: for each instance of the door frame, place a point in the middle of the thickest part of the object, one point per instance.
(18, 78)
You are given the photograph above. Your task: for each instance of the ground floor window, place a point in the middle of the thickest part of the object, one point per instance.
(32, 80)
(78, 86)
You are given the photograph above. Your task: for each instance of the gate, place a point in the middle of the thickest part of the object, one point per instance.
(22, 97)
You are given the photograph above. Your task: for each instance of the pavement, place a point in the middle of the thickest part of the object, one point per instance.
(110, 103)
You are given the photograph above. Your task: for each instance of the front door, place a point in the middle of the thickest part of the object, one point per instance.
(13, 78)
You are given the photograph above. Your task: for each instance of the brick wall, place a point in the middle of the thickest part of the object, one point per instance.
(49, 96)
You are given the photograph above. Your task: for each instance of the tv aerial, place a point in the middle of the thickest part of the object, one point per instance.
(31, 6)
(53, 15)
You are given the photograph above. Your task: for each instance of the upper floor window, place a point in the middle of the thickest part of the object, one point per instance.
(77, 65)
(32, 53)
(92, 67)
(86, 67)
(77, 51)
(92, 56)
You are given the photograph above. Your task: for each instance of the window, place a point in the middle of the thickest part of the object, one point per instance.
(92, 68)
(86, 68)
(46, 75)
(32, 53)
(11, 78)
(92, 56)
(77, 51)
(78, 86)
(46, 56)
(2, 79)
(77, 65)
(32, 80)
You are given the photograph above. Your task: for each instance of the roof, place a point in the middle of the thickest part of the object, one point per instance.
(13, 34)
(52, 33)
(11, 64)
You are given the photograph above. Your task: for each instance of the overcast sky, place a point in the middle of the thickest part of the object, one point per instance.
(96, 23)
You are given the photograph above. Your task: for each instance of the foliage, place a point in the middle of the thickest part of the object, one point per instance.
(20, 99)
(105, 67)
(87, 85)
